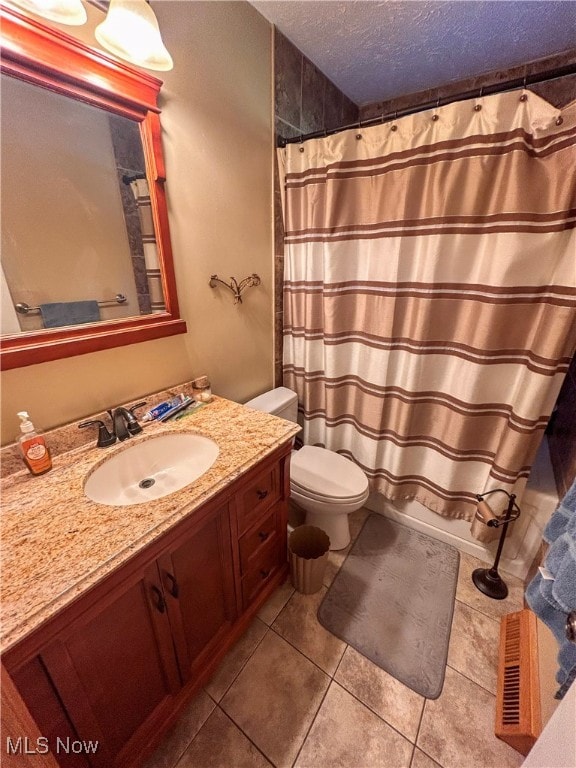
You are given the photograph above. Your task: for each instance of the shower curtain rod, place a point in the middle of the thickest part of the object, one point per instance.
(510, 85)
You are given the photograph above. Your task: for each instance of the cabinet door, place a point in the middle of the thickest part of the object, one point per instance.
(115, 670)
(198, 579)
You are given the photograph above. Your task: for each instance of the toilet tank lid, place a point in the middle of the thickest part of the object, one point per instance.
(273, 401)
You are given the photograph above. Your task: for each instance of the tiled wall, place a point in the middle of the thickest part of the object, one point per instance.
(559, 92)
(305, 101)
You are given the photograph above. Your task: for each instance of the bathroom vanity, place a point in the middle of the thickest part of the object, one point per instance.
(114, 616)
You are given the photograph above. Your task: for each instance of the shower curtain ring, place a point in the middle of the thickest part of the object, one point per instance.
(524, 96)
(394, 127)
(478, 107)
(435, 116)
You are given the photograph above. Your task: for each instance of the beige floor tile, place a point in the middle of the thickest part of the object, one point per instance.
(235, 660)
(474, 644)
(180, 736)
(335, 560)
(275, 698)
(381, 692)
(220, 744)
(420, 760)
(346, 734)
(467, 593)
(457, 729)
(298, 624)
(276, 602)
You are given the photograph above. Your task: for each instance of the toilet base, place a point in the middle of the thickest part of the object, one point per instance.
(334, 524)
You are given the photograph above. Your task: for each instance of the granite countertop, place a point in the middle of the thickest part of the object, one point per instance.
(56, 543)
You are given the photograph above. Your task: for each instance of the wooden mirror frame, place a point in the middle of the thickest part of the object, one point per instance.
(51, 59)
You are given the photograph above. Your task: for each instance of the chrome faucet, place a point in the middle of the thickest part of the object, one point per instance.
(124, 425)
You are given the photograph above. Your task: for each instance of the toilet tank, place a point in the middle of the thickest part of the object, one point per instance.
(281, 402)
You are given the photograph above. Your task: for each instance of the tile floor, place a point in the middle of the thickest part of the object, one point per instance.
(291, 694)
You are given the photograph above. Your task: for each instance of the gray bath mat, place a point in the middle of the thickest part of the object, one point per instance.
(393, 601)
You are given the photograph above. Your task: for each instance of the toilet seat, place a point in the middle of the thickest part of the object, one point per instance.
(324, 475)
(325, 498)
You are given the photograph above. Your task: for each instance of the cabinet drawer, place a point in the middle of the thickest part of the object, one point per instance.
(255, 540)
(257, 497)
(259, 575)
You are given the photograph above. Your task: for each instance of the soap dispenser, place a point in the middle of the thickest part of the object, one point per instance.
(33, 447)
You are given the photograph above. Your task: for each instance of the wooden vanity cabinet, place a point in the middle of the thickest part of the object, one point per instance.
(198, 583)
(115, 670)
(118, 664)
(261, 531)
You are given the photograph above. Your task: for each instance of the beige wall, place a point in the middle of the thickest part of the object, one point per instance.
(218, 144)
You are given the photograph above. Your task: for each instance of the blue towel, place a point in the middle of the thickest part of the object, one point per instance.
(564, 584)
(561, 559)
(553, 599)
(539, 598)
(562, 517)
(567, 672)
(59, 313)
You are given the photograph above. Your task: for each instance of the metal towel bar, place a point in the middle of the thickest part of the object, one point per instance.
(25, 309)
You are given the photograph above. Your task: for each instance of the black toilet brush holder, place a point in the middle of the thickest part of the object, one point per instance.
(488, 580)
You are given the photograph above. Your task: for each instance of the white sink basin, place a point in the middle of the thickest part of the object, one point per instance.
(151, 469)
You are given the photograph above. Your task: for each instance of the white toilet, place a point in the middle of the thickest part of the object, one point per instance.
(324, 484)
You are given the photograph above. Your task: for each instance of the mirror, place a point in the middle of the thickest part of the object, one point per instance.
(86, 261)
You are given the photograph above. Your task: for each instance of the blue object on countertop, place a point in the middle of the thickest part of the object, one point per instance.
(182, 405)
(59, 313)
(553, 599)
(161, 408)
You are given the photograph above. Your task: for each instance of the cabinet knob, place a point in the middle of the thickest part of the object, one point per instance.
(263, 535)
(261, 494)
(174, 589)
(160, 603)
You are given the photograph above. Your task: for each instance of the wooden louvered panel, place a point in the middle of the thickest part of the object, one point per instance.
(518, 718)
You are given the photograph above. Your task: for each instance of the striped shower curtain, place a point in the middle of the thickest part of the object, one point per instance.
(430, 293)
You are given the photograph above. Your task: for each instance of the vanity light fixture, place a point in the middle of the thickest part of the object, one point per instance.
(131, 32)
(70, 12)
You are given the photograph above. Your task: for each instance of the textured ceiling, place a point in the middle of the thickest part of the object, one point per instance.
(375, 51)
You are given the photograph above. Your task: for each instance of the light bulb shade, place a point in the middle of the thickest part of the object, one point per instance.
(130, 31)
(70, 12)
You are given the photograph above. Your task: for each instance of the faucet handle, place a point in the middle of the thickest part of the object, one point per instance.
(131, 423)
(137, 405)
(105, 437)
